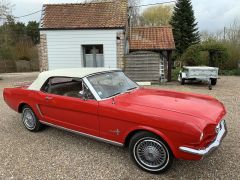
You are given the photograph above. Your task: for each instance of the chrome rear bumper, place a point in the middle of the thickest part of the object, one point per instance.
(221, 134)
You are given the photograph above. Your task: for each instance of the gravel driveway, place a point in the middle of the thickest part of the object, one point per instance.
(57, 154)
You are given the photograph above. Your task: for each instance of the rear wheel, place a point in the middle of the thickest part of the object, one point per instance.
(213, 81)
(30, 120)
(150, 152)
(182, 81)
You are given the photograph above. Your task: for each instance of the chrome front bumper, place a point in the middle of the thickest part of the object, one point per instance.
(221, 134)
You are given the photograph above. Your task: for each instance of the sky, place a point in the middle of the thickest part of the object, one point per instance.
(211, 15)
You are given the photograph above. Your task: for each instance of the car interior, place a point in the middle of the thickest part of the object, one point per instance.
(64, 86)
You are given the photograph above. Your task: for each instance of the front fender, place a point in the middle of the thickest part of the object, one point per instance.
(160, 133)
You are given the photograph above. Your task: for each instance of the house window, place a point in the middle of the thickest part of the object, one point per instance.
(93, 56)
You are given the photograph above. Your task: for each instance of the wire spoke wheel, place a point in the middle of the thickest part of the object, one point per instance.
(151, 153)
(29, 119)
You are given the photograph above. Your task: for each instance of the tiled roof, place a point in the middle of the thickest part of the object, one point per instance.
(102, 15)
(151, 38)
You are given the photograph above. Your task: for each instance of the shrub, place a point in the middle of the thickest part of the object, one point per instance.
(217, 52)
(207, 53)
(233, 72)
(175, 73)
(192, 56)
(234, 56)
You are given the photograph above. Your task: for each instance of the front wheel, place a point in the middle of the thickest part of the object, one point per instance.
(150, 152)
(182, 80)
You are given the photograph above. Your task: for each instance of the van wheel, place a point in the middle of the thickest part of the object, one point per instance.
(150, 152)
(213, 81)
(182, 80)
(30, 120)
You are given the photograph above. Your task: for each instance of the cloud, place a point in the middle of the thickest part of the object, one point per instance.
(211, 15)
(215, 14)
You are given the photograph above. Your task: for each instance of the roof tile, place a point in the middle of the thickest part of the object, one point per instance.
(151, 38)
(111, 14)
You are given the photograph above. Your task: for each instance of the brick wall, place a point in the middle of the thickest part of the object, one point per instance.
(43, 54)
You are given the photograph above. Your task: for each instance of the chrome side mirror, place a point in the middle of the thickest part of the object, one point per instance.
(82, 94)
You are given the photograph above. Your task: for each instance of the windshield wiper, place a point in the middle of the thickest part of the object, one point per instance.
(131, 88)
(114, 94)
(122, 92)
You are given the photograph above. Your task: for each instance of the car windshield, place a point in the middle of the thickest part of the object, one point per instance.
(111, 83)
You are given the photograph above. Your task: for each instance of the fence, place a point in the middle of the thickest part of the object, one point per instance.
(8, 66)
(143, 66)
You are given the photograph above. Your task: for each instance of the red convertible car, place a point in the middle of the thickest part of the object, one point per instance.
(156, 125)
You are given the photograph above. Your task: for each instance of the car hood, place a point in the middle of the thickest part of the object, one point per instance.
(200, 106)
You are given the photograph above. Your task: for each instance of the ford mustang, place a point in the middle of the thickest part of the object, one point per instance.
(156, 125)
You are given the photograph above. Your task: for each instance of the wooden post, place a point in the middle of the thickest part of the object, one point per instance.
(5, 65)
(169, 59)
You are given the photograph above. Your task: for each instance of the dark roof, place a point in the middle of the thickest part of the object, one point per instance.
(151, 38)
(85, 15)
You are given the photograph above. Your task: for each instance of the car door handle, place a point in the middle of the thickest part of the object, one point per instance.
(48, 98)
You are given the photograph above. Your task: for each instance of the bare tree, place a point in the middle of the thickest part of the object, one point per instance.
(5, 10)
(206, 35)
(134, 12)
(232, 33)
(133, 9)
(227, 34)
(157, 15)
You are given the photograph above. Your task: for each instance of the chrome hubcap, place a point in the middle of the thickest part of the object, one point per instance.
(29, 119)
(151, 153)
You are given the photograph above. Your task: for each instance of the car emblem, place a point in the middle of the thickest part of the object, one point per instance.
(116, 131)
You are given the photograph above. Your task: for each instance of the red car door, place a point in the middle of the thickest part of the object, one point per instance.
(69, 112)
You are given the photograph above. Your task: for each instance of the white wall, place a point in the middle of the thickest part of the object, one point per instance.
(65, 46)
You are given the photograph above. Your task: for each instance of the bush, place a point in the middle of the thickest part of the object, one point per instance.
(233, 72)
(7, 52)
(218, 54)
(234, 56)
(207, 53)
(175, 73)
(192, 56)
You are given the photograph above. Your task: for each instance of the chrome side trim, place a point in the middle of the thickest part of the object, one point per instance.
(95, 94)
(84, 134)
(212, 146)
(38, 108)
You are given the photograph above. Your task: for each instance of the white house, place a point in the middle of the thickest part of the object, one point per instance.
(83, 35)
(97, 34)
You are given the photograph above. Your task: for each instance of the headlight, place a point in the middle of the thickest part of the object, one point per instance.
(218, 128)
(201, 136)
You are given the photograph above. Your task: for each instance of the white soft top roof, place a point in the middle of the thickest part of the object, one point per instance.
(68, 72)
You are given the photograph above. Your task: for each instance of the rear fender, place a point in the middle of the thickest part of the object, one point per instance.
(10, 98)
